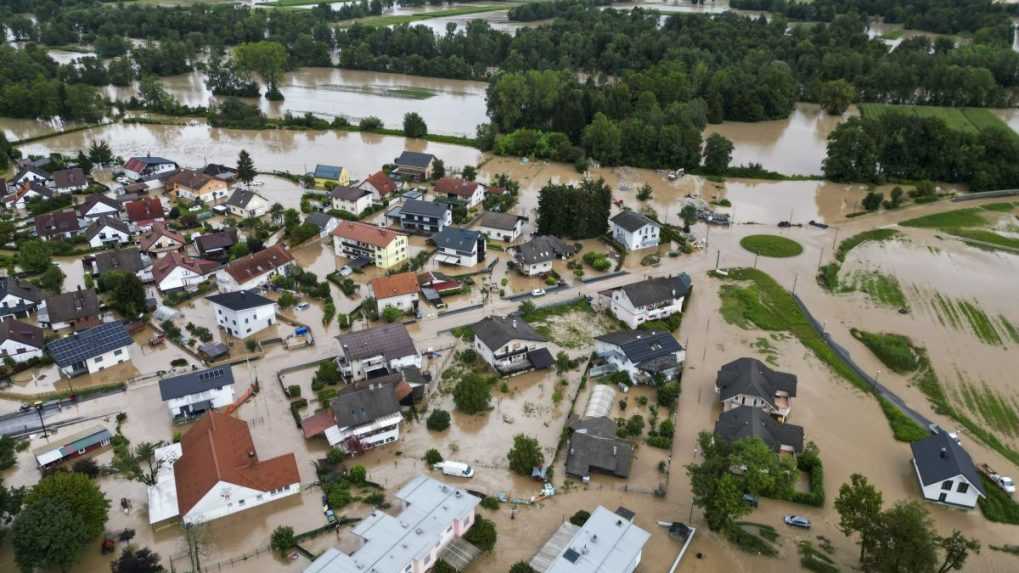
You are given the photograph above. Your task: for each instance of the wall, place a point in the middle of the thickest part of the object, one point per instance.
(104, 361)
(213, 506)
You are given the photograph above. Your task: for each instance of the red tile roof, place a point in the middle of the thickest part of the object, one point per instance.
(144, 209)
(257, 264)
(395, 285)
(189, 179)
(219, 448)
(455, 186)
(158, 230)
(382, 183)
(164, 266)
(318, 423)
(57, 222)
(365, 233)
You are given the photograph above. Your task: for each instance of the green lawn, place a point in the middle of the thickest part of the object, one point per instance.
(396, 20)
(771, 246)
(969, 119)
(893, 350)
(949, 219)
(984, 236)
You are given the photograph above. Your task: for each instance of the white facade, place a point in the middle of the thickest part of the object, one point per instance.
(505, 235)
(509, 356)
(455, 257)
(99, 209)
(404, 302)
(109, 236)
(476, 198)
(256, 207)
(358, 369)
(18, 351)
(246, 322)
(955, 491)
(101, 362)
(607, 543)
(356, 206)
(180, 277)
(622, 308)
(617, 358)
(380, 432)
(645, 237)
(535, 269)
(219, 397)
(227, 283)
(10, 302)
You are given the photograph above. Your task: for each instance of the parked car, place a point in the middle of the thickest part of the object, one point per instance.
(346, 271)
(303, 306)
(456, 469)
(329, 513)
(750, 500)
(797, 521)
(1004, 482)
(538, 292)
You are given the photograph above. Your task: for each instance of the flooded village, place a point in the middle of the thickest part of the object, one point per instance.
(333, 350)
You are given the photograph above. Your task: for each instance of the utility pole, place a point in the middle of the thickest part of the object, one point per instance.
(718, 256)
(42, 422)
(820, 257)
(835, 244)
(795, 279)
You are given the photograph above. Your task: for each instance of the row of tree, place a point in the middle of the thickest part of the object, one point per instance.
(560, 212)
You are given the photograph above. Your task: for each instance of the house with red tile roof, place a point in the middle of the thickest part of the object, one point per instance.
(398, 291)
(380, 185)
(144, 212)
(255, 270)
(214, 471)
(370, 245)
(471, 193)
(161, 239)
(180, 272)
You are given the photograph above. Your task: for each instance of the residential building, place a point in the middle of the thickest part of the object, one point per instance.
(643, 301)
(98, 205)
(469, 193)
(243, 203)
(255, 270)
(61, 448)
(31, 174)
(92, 350)
(214, 471)
(595, 447)
(78, 309)
(190, 395)
(331, 174)
(57, 225)
(459, 247)
(426, 217)
(216, 245)
(608, 542)
(946, 472)
(380, 185)
(749, 422)
(634, 231)
(70, 180)
(505, 227)
(144, 212)
(398, 291)
(432, 516)
(353, 200)
(25, 194)
(148, 167)
(381, 247)
(325, 222)
(18, 298)
(748, 382)
(365, 416)
(19, 341)
(644, 355)
(376, 351)
(510, 345)
(222, 172)
(107, 232)
(129, 260)
(188, 185)
(412, 165)
(243, 313)
(535, 256)
(160, 240)
(176, 272)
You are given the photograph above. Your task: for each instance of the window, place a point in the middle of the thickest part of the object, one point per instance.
(963, 487)
(118, 352)
(946, 485)
(98, 359)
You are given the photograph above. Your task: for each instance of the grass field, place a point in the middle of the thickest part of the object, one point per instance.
(881, 288)
(771, 246)
(893, 350)
(396, 20)
(949, 219)
(968, 119)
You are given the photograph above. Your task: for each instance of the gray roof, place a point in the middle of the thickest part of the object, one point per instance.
(106, 221)
(501, 221)
(239, 300)
(241, 198)
(632, 221)
(651, 350)
(20, 289)
(607, 543)
(390, 340)
(358, 406)
(657, 290)
(72, 305)
(462, 240)
(90, 343)
(748, 422)
(543, 248)
(71, 177)
(18, 331)
(594, 446)
(96, 198)
(424, 208)
(496, 331)
(216, 241)
(319, 219)
(414, 159)
(938, 457)
(127, 260)
(349, 193)
(750, 376)
(195, 382)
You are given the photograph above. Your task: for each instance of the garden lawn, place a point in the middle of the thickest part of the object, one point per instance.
(771, 246)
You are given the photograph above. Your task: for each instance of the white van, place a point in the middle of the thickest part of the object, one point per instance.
(456, 469)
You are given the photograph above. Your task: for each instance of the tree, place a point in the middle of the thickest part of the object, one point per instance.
(717, 154)
(414, 125)
(267, 59)
(603, 140)
(34, 256)
(282, 539)
(472, 393)
(525, 455)
(667, 393)
(139, 464)
(438, 420)
(580, 517)
(86, 466)
(957, 548)
(391, 314)
(84, 162)
(52, 279)
(133, 560)
(286, 300)
(99, 153)
(470, 172)
(438, 169)
(482, 534)
(859, 505)
(521, 567)
(327, 373)
(61, 515)
(10, 505)
(689, 216)
(126, 292)
(645, 192)
(836, 95)
(245, 168)
(872, 201)
(8, 457)
(432, 457)
(358, 474)
(715, 489)
(904, 541)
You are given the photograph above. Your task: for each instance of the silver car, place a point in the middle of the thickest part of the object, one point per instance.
(797, 521)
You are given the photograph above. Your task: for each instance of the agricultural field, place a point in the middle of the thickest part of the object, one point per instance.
(966, 119)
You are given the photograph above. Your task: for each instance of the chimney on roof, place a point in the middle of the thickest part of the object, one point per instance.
(943, 453)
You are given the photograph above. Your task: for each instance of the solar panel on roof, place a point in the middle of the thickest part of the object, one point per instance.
(571, 555)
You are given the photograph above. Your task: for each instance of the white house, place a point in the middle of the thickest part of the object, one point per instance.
(18, 298)
(148, 167)
(380, 185)
(129, 260)
(510, 345)
(608, 542)
(643, 301)
(634, 231)
(243, 203)
(748, 382)
(214, 471)
(92, 350)
(459, 247)
(23, 195)
(70, 180)
(254, 270)
(376, 351)
(19, 341)
(399, 291)
(190, 395)
(97, 205)
(243, 313)
(470, 193)
(642, 354)
(946, 472)
(535, 257)
(504, 227)
(432, 516)
(31, 175)
(161, 239)
(107, 232)
(366, 416)
(180, 272)
(351, 199)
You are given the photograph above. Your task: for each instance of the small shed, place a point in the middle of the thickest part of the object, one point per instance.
(63, 448)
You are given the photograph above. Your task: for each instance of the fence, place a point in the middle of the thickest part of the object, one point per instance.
(217, 566)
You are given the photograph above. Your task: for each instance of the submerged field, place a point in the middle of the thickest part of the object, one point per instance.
(968, 119)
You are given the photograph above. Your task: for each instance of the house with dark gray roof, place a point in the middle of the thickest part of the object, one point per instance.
(643, 354)
(190, 395)
(505, 227)
(244, 203)
(460, 247)
(594, 447)
(129, 260)
(18, 298)
(216, 245)
(69, 180)
(243, 313)
(426, 217)
(376, 351)
(643, 301)
(747, 422)
(351, 199)
(414, 165)
(535, 256)
(510, 345)
(20, 341)
(98, 205)
(107, 231)
(634, 230)
(946, 472)
(92, 350)
(748, 382)
(325, 222)
(78, 309)
(365, 415)
(57, 225)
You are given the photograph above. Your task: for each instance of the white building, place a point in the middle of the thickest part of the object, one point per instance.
(254, 270)
(19, 341)
(642, 354)
(399, 291)
(459, 247)
(243, 313)
(351, 199)
(97, 205)
(92, 350)
(945, 471)
(748, 382)
(646, 300)
(634, 231)
(243, 203)
(214, 471)
(365, 417)
(509, 345)
(432, 516)
(192, 394)
(176, 272)
(369, 353)
(470, 193)
(504, 227)
(535, 257)
(608, 542)
(107, 232)
(18, 298)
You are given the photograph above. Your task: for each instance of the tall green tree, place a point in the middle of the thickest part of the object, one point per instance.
(859, 506)
(717, 154)
(604, 140)
(836, 95)
(267, 59)
(904, 542)
(34, 256)
(957, 548)
(472, 393)
(134, 560)
(689, 216)
(245, 167)
(52, 279)
(525, 455)
(99, 152)
(126, 293)
(414, 125)
(139, 463)
(715, 489)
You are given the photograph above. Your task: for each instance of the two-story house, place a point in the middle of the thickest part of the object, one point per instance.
(369, 244)
(145, 212)
(326, 175)
(19, 341)
(470, 193)
(414, 166)
(509, 345)
(18, 298)
(194, 393)
(107, 232)
(946, 472)
(129, 260)
(244, 204)
(643, 301)
(243, 313)
(97, 205)
(78, 309)
(460, 247)
(177, 272)
(748, 422)
(364, 416)
(376, 351)
(216, 245)
(188, 185)
(424, 217)
(381, 186)
(148, 167)
(748, 382)
(608, 542)
(58, 225)
(160, 239)
(535, 257)
(634, 231)
(255, 270)
(70, 180)
(505, 227)
(399, 291)
(353, 200)
(644, 355)
(92, 350)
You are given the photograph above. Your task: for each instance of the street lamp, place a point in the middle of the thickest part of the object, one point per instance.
(39, 407)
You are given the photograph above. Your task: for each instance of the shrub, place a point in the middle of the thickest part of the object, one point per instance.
(358, 474)
(472, 394)
(635, 425)
(294, 391)
(86, 466)
(661, 442)
(375, 499)
(339, 495)
(668, 393)
(391, 314)
(432, 457)
(438, 420)
(521, 567)
(490, 503)
(482, 534)
(335, 456)
(525, 455)
(580, 518)
(370, 123)
(282, 539)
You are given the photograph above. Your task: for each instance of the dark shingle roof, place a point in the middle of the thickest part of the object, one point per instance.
(414, 159)
(496, 331)
(20, 289)
(96, 198)
(457, 239)
(748, 422)
(501, 221)
(67, 178)
(938, 457)
(127, 260)
(106, 221)
(21, 332)
(390, 340)
(72, 305)
(57, 222)
(751, 376)
(632, 220)
(648, 349)
(543, 248)
(195, 382)
(424, 208)
(349, 193)
(658, 290)
(594, 445)
(216, 241)
(358, 406)
(239, 300)
(89, 343)
(319, 219)
(240, 198)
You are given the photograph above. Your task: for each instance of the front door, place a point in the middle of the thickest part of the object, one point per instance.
(943, 497)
